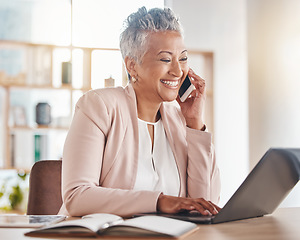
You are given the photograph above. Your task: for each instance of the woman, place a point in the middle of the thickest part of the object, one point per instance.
(128, 150)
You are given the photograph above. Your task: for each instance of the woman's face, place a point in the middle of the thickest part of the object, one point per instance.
(162, 68)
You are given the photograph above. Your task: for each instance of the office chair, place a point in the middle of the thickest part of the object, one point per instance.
(45, 188)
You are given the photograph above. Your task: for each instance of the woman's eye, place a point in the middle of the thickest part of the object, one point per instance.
(165, 60)
(184, 59)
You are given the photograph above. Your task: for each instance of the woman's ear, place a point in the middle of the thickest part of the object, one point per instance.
(130, 65)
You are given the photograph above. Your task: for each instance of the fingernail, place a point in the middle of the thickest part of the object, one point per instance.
(215, 212)
(206, 212)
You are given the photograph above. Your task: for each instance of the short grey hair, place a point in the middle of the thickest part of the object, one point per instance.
(140, 24)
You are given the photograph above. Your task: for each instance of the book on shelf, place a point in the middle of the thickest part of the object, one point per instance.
(101, 224)
(38, 65)
(26, 148)
(40, 147)
(66, 73)
(12, 149)
(21, 149)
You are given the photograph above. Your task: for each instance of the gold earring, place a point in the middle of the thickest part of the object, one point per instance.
(133, 79)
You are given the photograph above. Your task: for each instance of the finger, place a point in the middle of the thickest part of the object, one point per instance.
(178, 100)
(197, 81)
(192, 73)
(216, 206)
(181, 207)
(207, 205)
(194, 204)
(199, 84)
(194, 76)
(194, 94)
(188, 204)
(186, 207)
(201, 209)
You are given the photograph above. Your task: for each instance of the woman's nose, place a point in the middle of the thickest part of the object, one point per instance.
(176, 69)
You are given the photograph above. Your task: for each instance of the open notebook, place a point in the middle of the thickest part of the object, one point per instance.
(102, 224)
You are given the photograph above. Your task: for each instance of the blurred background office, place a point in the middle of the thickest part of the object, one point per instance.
(249, 50)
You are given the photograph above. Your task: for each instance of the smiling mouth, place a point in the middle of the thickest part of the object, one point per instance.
(173, 84)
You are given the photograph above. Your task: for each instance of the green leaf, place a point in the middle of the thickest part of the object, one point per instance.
(15, 197)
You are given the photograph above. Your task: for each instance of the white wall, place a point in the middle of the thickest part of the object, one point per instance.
(274, 78)
(220, 26)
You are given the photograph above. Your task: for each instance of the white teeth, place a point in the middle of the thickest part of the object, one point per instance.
(170, 83)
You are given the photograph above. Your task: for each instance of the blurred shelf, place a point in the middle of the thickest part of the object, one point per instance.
(47, 87)
(38, 128)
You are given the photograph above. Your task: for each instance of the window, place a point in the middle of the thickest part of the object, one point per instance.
(98, 23)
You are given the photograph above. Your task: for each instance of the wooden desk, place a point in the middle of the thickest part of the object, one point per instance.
(284, 224)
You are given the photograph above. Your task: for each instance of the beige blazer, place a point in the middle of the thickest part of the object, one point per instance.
(100, 156)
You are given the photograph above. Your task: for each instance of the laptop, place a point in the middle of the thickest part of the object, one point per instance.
(262, 191)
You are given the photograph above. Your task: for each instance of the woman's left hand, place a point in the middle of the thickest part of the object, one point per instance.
(193, 107)
(170, 204)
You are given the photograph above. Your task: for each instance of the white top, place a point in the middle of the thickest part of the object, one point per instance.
(157, 169)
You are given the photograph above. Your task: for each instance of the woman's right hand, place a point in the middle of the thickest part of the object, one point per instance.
(170, 204)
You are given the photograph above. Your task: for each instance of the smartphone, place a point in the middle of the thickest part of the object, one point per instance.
(186, 89)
